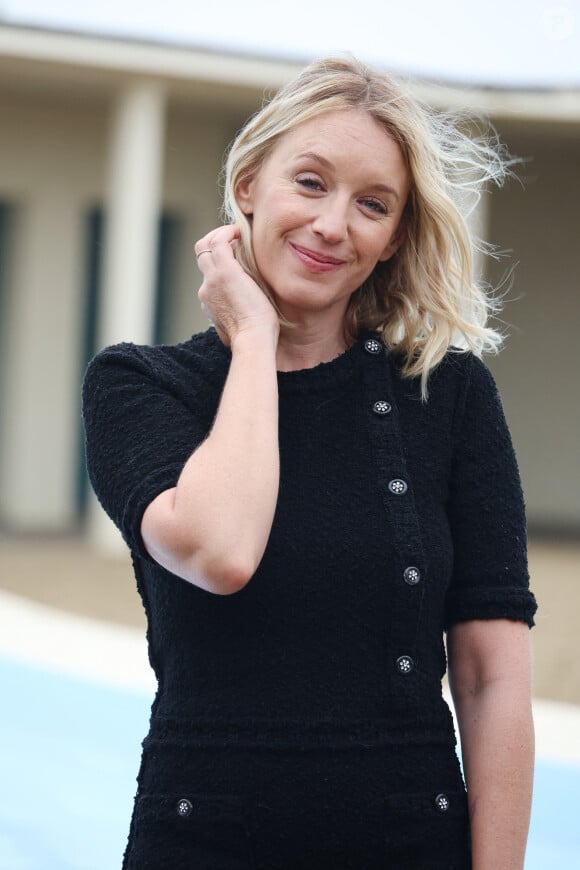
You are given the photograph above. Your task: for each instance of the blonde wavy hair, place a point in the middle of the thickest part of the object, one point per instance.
(424, 300)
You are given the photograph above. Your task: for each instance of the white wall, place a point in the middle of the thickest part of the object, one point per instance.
(539, 370)
(51, 167)
(54, 168)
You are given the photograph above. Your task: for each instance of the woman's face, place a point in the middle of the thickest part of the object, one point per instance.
(325, 207)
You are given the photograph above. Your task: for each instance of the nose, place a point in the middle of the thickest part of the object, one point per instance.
(331, 221)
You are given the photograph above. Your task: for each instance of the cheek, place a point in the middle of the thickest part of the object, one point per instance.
(383, 243)
(271, 227)
(372, 245)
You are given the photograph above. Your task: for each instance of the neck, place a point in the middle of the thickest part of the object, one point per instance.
(304, 348)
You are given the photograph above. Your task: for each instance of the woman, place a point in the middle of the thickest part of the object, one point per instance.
(313, 492)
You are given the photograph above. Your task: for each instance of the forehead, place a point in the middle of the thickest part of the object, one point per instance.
(351, 134)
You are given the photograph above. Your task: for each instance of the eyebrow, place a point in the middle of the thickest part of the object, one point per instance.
(313, 155)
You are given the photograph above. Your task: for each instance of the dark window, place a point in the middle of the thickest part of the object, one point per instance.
(165, 286)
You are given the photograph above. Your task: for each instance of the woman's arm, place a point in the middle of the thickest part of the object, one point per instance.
(490, 681)
(212, 528)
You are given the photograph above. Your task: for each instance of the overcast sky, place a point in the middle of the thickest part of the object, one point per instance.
(533, 43)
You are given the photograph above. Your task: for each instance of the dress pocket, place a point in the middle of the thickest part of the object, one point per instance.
(187, 831)
(428, 831)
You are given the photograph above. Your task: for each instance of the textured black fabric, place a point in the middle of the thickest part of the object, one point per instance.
(394, 520)
(300, 809)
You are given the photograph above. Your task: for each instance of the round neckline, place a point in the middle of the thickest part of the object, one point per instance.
(323, 375)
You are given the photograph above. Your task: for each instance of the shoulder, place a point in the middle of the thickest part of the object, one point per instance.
(468, 376)
(462, 396)
(478, 414)
(202, 352)
(461, 369)
(201, 359)
(454, 372)
(458, 373)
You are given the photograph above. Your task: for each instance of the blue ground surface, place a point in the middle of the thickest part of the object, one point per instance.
(69, 752)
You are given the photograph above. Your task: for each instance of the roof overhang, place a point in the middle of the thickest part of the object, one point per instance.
(52, 58)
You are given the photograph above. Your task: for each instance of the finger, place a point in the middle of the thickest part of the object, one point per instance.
(204, 253)
(225, 235)
(216, 238)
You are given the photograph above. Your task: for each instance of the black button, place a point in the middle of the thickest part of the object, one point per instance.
(184, 807)
(412, 575)
(398, 486)
(373, 346)
(405, 664)
(382, 407)
(442, 803)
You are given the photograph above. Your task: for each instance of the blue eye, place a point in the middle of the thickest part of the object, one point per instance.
(375, 205)
(310, 183)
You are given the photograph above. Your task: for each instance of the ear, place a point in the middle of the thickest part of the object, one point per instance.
(245, 195)
(394, 244)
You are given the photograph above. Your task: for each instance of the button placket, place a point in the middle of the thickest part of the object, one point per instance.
(408, 592)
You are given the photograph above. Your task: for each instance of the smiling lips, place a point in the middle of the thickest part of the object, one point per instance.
(316, 261)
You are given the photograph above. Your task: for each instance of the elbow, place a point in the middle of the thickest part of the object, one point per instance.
(232, 578)
(221, 575)
(224, 576)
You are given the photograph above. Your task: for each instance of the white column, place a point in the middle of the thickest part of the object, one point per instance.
(132, 214)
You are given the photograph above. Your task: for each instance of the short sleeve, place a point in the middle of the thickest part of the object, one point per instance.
(486, 511)
(140, 429)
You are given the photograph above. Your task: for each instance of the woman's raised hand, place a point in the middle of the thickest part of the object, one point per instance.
(212, 527)
(230, 298)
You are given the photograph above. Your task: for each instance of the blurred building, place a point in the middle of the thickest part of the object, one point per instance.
(110, 153)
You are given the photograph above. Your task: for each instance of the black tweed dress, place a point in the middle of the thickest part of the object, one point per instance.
(299, 724)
